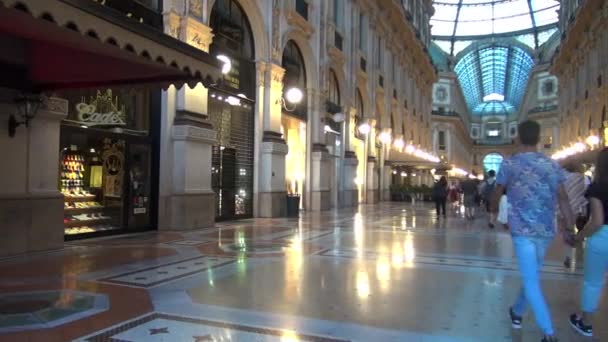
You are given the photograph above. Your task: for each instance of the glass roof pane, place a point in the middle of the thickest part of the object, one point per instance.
(443, 12)
(527, 39)
(473, 28)
(544, 36)
(460, 45)
(475, 13)
(442, 28)
(445, 45)
(452, 2)
(546, 16)
(510, 24)
(538, 5)
(485, 17)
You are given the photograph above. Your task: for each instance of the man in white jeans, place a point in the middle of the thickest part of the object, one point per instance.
(533, 181)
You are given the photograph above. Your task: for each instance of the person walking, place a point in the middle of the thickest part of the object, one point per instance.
(469, 191)
(440, 195)
(596, 254)
(487, 191)
(533, 181)
(576, 189)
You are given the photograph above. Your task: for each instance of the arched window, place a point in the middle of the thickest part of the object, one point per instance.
(293, 63)
(492, 161)
(295, 75)
(333, 89)
(231, 30)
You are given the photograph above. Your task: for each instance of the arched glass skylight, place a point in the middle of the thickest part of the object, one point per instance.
(456, 20)
(493, 77)
(492, 161)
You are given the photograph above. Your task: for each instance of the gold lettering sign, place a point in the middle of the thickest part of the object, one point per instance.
(101, 110)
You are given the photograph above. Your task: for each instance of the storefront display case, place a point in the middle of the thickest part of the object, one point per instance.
(107, 154)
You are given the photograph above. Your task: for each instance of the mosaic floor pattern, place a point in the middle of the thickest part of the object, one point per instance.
(386, 272)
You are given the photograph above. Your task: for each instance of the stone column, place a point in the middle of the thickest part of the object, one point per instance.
(186, 199)
(320, 195)
(31, 206)
(272, 194)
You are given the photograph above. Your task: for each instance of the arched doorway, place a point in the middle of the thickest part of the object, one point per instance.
(231, 111)
(293, 120)
(492, 161)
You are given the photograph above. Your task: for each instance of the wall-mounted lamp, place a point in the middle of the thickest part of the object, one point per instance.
(399, 144)
(27, 107)
(385, 138)
(365, 128)
(227, 64)
(338, 117)
(292, 95)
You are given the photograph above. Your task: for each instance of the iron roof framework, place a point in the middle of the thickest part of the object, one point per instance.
(456, 23)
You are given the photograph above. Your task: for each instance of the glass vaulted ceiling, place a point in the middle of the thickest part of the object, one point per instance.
(493, 78)
(456, 23)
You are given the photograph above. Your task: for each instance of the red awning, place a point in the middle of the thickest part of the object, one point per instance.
(55, 57)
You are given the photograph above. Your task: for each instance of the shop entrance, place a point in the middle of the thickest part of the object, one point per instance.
(106, 182)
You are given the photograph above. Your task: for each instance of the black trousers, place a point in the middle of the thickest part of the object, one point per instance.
(440, 205)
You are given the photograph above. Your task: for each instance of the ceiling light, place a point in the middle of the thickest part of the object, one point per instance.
(294, 95)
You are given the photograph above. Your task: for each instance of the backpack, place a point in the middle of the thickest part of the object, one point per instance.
(488, 190)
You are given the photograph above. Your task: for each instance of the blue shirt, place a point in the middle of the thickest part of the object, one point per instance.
(532, 181)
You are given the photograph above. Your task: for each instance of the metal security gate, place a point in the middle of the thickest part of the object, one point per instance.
(232, 161)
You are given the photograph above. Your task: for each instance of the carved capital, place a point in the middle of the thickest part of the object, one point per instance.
(172, 23)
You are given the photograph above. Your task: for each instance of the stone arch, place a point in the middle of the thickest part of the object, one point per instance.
(256, 24)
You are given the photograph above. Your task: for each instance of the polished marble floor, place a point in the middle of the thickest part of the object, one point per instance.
(386, 272)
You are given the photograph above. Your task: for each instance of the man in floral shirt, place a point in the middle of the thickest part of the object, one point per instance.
(533, 182)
